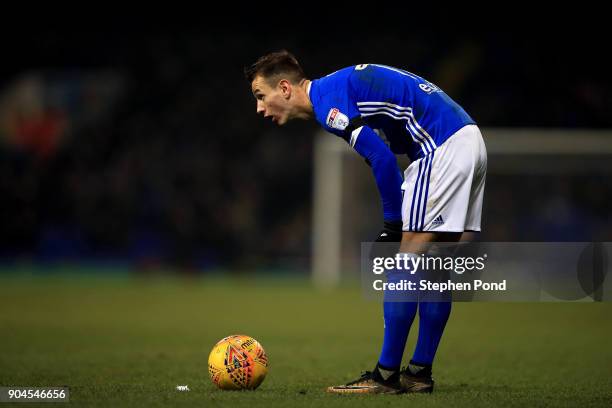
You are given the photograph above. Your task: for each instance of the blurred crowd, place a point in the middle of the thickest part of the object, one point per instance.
(145, 147)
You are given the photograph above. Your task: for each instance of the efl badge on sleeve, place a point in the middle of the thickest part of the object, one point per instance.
(337, 119)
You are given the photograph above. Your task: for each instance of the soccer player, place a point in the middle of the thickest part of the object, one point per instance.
(439, 198)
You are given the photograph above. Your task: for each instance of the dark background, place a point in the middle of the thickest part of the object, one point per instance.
(126, 141)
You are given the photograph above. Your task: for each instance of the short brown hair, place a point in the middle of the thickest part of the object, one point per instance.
(273, 64)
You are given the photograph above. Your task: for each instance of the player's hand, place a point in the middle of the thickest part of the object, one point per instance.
(391, 233)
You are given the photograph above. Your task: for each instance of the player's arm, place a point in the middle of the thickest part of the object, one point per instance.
(384, 167)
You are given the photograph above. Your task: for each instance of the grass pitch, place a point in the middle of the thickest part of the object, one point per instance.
(130, 342)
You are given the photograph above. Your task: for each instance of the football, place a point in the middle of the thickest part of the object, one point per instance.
(237, 362)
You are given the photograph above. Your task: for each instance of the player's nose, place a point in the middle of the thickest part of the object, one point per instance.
(260, 108)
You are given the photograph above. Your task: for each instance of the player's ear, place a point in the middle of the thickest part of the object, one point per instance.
(285, 88)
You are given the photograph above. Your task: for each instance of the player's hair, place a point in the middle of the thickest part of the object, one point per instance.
(280, 63)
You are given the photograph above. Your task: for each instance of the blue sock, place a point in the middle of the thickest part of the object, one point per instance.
(398, 319)
(432, 320)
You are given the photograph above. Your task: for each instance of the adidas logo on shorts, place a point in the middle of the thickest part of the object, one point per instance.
(438, 221)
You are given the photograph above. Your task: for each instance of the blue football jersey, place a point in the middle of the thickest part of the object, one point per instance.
(411, 113)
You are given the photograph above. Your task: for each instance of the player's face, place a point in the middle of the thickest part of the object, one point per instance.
(272, 101)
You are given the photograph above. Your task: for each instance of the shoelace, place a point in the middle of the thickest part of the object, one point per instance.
(366, 375)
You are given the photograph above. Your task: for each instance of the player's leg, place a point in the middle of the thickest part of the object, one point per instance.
(399, 315)
(433, 315)
(453, 207)
(435, 214)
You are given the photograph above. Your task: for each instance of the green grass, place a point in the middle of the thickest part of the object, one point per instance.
(130, 342)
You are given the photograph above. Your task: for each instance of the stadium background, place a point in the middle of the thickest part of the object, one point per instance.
(135, 150)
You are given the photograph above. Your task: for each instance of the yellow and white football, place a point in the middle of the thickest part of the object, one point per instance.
(237, 362)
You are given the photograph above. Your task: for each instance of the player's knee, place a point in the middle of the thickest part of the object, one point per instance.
(418, 242)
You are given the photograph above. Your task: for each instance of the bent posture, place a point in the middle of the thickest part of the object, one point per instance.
(382, 111)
